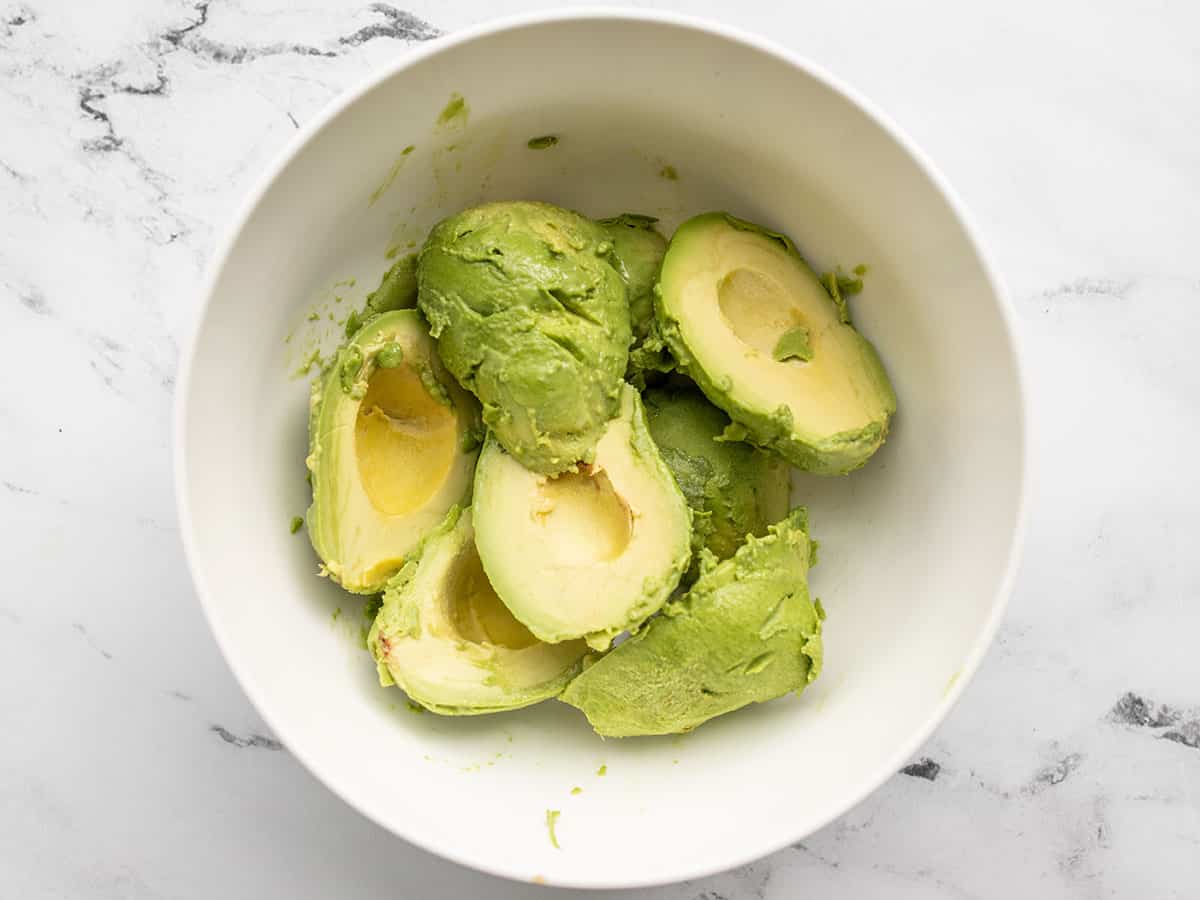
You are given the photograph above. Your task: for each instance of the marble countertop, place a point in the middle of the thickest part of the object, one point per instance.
(131, 765)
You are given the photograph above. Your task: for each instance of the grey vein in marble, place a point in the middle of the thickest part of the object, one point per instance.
(260, 741)
(1179, 726)
(923, 768)
(83, 632)
(1057, 773)
(130, 132)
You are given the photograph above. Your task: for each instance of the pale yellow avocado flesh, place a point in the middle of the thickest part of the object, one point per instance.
(388, 455)
(587, 553)
(447, 640)
(580, 517)
(474, 612)
(405, 441)
(757, 300)
(750, 322)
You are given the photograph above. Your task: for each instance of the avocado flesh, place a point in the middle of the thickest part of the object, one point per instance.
(530, 316)
(588, 553)
(639, 249)
(745, 633)
(397, 288)
(733, 489)
(388, 436)
(728, 293)
(445, 638)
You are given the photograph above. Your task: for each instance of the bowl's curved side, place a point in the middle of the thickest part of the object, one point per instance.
(895, 606)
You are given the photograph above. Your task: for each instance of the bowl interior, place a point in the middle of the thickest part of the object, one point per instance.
(915, 547)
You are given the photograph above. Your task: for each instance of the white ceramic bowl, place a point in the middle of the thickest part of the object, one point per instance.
(918, 549)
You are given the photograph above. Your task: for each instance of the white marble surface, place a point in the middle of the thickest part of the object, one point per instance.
(131, 766)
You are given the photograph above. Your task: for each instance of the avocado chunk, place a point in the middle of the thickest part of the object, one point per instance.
(638, 249)
(445, 638)
(397, 290)
(745, 633)
(587, 553)
(531, 317)
(734, 489)
(731, 301)
(391, 449)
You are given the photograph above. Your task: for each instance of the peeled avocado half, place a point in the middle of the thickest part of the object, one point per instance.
(531, 316)
(588, 553)
(734, 489)
(445, 638)
(638, 249)
(392, 443)
(748, 319)
(746, 632)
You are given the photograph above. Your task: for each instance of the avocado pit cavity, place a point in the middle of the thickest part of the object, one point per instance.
(477, 614)
(757, 309)
(583, 518)
(405, 441)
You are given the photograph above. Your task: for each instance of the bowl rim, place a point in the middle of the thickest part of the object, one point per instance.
(266, 180)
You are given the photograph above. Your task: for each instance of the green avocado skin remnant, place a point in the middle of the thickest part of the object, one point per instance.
(296, 525)
(734, 489)
(531, 316)
(397, 289)
(639, 250)
(545, 142)
(794, 344)
(746, 632)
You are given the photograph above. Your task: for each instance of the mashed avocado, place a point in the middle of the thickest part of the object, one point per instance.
(734, 489)
(639, 249)
(531, 316)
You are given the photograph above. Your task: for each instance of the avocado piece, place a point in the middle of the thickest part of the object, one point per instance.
(445, 638)
(397, 290)
(745, 633)
(638, 249)
(587, 553)
(730, 298)
(733, 489)
(390, 450)
(532, 318)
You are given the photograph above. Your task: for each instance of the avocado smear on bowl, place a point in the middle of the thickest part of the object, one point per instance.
(557, 454)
